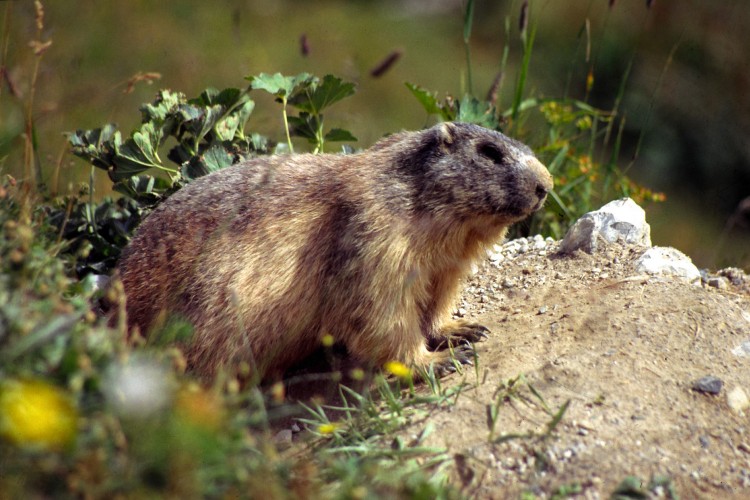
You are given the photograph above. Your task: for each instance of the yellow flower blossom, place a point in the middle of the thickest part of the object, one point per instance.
(199, 407)
(357, 374)
(328, 428)
(398, 369)
(36, 414)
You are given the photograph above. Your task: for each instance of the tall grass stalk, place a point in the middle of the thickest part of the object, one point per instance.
(527, 38)
(32, 166)
(5, 43)
(468, 20)
(652, 100)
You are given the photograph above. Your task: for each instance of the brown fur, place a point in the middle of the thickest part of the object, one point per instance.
(268, 256)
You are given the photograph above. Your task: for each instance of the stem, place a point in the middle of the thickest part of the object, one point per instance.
(91, 211)
(286, 125)
(527, 49)
(319, 136)
(469, 82)
(29, 158)
(5, 43)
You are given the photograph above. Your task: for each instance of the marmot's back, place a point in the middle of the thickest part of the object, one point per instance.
(266, 257)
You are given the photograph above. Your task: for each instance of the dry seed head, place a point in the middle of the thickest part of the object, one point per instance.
(40, 48)
(383, 66)
(39, 8)
(523, 21)
(148, 77)
(494, 88)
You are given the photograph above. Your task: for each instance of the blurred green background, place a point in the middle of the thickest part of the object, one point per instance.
(686, 103)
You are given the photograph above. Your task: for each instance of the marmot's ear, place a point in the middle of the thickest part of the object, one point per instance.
(446, 134)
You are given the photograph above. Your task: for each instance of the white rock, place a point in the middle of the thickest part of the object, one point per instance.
(669, 261)
(495, 256)
(742, 350)
(620, 220)
(737, 399)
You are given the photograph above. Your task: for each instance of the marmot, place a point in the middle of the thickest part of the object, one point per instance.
(268, 256)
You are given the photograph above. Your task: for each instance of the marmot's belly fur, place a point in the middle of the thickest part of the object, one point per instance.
(266, 257)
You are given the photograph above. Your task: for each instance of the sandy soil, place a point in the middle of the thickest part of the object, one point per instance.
(624, 349)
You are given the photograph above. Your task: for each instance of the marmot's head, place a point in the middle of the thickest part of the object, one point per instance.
(467, 170)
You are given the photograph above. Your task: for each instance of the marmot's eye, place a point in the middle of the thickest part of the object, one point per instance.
(491, 151)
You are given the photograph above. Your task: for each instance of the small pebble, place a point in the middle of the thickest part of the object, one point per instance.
(708, 385)
(719, 282)
(283, 438)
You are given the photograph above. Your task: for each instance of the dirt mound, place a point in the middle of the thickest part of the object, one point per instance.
(623, 351)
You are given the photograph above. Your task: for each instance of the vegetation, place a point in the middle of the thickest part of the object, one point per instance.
(84, 412)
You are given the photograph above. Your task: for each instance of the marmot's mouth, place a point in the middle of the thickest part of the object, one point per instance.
(538, 205)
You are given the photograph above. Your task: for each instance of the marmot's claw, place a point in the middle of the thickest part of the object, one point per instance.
(464, 354)
(475, 332)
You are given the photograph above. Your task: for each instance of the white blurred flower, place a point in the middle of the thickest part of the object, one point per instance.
(140, 388)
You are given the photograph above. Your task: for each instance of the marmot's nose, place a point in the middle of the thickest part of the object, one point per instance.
(543, 178)
(541, 191)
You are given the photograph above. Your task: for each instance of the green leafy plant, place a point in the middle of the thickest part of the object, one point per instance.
(310, 96)
(201, 135)
(208, 133)
(511, 391)
(568, 135)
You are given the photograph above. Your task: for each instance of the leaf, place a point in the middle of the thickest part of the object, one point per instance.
(179, 154)
(145, 189)
(206, 98)
(524, 105)
(96, 146)
(243, 113)
(215, 158)
(304, 126)
(430, 102)
(320, 95)
(472, 110)
(201, 119)
(340, 135)
(260, 144)
(225, 113)
(137, 154)
(279, 85)
(165, 104)
(226, 127)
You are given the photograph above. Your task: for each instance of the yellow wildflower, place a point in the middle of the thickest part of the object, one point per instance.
(36, 414)
(398, 369)
(328, 428)
(200, 407)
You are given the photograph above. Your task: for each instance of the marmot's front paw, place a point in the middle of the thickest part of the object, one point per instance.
(445, 361)
(459, 333)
